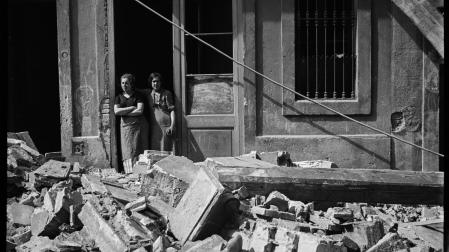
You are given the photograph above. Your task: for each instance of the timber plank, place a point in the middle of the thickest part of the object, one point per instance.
(327, 184)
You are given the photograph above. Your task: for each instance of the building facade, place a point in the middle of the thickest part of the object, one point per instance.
(368, 59)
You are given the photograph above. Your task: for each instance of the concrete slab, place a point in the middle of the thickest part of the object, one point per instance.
(53, 169)
(198, 203)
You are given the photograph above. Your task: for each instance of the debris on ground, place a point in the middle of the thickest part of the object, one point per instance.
(172, 204)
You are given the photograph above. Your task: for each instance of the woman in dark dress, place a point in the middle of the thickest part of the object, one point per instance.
(163, 108)
(129, 106)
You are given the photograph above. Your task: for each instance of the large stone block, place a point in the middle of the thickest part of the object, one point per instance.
(102, 232)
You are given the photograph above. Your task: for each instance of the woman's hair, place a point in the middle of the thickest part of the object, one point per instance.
(154, 75)
(131, 78)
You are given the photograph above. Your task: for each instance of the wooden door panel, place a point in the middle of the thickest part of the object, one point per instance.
(210, 95)
(209, 143)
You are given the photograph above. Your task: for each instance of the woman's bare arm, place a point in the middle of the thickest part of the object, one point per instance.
(137, 111)
(123, 111)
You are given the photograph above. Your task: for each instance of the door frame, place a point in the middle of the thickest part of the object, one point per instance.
(179, 80)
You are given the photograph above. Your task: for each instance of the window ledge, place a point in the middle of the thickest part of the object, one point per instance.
(348, 107)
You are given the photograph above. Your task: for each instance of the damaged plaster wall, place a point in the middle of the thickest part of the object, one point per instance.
(414, 96)
(88, 140)
(401, 69)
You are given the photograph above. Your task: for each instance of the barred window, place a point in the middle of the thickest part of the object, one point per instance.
(325, 49)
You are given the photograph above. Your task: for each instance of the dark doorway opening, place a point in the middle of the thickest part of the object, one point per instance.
(33, 82)
(143, 41)
(143, 44)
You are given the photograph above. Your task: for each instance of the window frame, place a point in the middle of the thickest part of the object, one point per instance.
(362, 87)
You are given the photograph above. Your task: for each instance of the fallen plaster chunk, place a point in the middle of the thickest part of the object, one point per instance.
(93, 184)
(22, 237)
(158, 206)
(262, 238)
(121, 193)
(366, 234)
(161, 244)
(315, 164)
(20, 214)
(169, 179)
(37, 243)
(312, 243)
(102, 232)
(277, 199)
(45, 223)
(212, 243)
(53, 169)
(390, 242)
(131, 229)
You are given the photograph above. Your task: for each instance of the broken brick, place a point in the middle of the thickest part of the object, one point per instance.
(366, 233)
(277, 199)
(315, 164)
(265, 212)
(343, 214)
(241, 193)
(22, 237)
(28, 200)
(325, 223)
(292, 225)
(287, 216)
(262, 238)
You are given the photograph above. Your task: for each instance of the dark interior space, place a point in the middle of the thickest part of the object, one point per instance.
(33, 83)
(143, 41)
(143, 44)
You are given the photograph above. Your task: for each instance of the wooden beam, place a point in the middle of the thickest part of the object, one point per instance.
(428, 20)
(337, 184)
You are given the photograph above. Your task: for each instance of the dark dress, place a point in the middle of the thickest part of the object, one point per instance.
(161, 104)
(131, 128)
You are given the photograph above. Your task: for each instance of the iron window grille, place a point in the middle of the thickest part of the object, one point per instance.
(325, 49)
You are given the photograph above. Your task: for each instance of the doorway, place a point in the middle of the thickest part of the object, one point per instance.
(143, 44)
(33, 82)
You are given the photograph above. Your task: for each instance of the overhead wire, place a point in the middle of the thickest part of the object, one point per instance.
(285, 87)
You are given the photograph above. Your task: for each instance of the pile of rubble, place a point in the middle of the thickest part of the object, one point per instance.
(177, 205)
